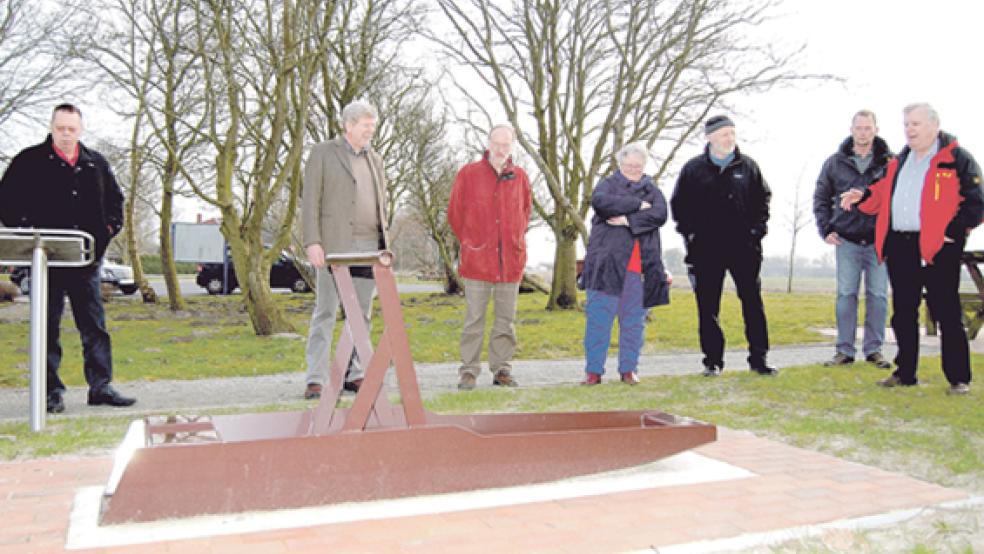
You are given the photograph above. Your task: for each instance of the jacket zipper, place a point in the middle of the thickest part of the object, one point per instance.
(498, 213)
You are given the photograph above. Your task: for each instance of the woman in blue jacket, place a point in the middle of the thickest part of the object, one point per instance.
(623, 269)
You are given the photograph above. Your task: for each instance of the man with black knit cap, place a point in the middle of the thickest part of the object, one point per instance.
(860, 161)
(721, 207)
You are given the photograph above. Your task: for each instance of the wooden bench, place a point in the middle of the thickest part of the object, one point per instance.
(972, 303)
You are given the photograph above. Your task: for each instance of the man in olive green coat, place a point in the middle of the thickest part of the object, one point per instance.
(342, 210)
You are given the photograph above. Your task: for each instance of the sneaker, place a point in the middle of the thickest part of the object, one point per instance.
(876, 359)
(503, 378)
(592, 379)
(712, 370)
(841, 359)
(312, 392)
(467, 382)
(959, 389)
(630, 378)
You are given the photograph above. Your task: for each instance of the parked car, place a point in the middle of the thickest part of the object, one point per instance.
(283, 274)
(118, 275)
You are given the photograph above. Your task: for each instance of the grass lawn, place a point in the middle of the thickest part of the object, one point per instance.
(213, 338)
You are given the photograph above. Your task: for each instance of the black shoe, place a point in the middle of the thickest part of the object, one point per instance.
(110, 397)
(712, 370)
(55, 403)
(876, 359)
(766, 370)
(352, 386)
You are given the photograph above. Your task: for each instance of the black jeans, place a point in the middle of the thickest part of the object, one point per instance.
(743, 262)
(82, 285)
(941, 279)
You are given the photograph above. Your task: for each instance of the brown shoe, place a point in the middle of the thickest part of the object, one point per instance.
(503, 378)
(839, 359)
(959, 389)
(312, 392)
(894, 381)
(592, 379)
(630, 378)
(889, 382)
(467, 382)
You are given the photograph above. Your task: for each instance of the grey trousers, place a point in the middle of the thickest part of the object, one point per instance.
(502, 340)
(323, 325)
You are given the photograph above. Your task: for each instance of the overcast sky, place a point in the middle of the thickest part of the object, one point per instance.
(890, 53)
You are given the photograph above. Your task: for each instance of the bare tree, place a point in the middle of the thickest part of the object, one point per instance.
(35, 73)
(434, 167)
(583, 77)
(797, 218)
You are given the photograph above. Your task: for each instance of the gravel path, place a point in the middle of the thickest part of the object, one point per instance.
(207, 394)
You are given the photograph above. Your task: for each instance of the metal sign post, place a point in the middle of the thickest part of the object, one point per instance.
(42, 248)
(39, 333)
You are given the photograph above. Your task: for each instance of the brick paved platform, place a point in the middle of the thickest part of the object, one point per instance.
(788, 488)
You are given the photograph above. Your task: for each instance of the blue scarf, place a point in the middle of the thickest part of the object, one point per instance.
(634, 187)
(722, 162)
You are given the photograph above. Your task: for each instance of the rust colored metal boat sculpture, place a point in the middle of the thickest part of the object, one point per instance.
(186, 466)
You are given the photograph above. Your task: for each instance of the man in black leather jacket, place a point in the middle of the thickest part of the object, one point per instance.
(860, 161)
(62, 184)
(721, 207)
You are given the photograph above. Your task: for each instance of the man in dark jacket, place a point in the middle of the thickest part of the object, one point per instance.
(721, 207)
(62, 184)
(926, 204)
(488, 211)
(860, 161)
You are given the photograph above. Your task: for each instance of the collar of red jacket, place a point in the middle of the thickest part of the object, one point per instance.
(506, 167)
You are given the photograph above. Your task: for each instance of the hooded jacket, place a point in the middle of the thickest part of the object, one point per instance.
(489, 212)
(610, 246)
(718, 208)
(39, 189)
(951, 204)
(840, 174)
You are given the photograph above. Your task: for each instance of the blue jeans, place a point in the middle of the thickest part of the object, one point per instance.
(601, 311)
(82, 285)
(853, 260)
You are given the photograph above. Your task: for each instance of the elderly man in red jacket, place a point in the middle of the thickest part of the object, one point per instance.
(926, 204)
(488, 211)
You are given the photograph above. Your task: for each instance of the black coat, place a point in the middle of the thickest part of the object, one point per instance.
(610, 246)
(39, 189)
(718, 209)
(840, 174)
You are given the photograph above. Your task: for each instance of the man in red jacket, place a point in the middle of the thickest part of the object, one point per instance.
(488, 212)
(928, 201)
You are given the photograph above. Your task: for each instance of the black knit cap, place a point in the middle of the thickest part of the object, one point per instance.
(716, 122)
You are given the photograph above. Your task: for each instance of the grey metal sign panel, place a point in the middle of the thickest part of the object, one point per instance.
(64, 248)
(198, 242)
